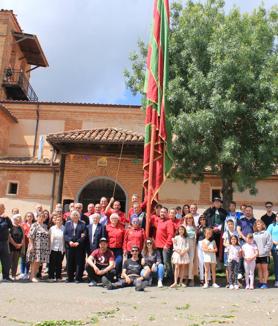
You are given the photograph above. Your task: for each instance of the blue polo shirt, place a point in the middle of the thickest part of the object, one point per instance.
(246, 225)
(273, 230)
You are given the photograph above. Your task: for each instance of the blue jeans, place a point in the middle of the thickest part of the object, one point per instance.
(118, 253)
(24, 266)
(275, 260)
(159, 270)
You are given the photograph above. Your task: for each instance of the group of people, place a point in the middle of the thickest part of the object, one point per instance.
(111, 247)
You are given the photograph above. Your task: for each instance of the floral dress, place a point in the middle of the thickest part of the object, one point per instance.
(180, 243)
(40, 236)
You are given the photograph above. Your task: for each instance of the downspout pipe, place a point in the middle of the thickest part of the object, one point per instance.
(53, 179)
(36, 129)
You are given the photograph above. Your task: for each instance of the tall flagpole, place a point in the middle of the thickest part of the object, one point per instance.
(150, 181)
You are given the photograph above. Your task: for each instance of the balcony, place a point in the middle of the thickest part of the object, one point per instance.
(17, 86)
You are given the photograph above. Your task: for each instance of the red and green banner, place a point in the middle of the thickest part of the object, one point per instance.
(156, 84)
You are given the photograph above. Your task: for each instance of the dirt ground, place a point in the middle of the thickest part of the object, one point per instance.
(77, 304)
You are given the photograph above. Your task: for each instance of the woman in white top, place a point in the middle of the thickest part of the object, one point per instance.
(57, 248)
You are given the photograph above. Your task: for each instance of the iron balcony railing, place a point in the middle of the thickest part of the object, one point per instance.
(18, 85)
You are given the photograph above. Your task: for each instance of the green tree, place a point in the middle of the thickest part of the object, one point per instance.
(223, 93)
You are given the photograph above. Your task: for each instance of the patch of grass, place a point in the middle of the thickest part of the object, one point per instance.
(135, 307)
(18, 321)
(218, 322)
(94, 320)
(61, 323)
(228, 316)
(152, 318)
(185, 307)
(108, 313)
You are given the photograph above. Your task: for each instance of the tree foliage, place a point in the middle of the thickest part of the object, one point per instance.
(223, 93)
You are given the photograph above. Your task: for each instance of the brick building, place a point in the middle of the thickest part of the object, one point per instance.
(60, 152)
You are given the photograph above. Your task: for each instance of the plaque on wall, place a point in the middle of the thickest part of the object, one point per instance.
(102, 162)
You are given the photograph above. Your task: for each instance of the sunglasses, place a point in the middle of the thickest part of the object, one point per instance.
(269, 206)
(148, 243)
(134, 250)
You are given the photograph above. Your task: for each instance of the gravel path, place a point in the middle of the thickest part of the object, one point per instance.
(26, 304)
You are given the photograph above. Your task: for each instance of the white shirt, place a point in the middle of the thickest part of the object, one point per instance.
(196, 219)
(94, 227)
(57, 238)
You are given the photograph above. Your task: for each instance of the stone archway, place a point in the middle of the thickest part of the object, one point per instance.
(99, 187)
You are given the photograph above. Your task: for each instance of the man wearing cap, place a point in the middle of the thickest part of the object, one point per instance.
(131, 273)
(101, 265)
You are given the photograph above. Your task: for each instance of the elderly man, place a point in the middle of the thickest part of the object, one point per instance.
(66, 215)
(101, 265)
(38, 210)
(5, 228)
(79, 208)
(75, 236)
(90, 210)
(95, 231)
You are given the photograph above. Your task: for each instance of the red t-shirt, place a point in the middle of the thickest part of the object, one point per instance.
(176, 223)
(108, 213)
(115, 235)
(164, 233)
(89, 214)
(103, 258)
(134, 237)
(122, 218)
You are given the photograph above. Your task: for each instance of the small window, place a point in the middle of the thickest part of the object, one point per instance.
(12, 188)
(215, 192)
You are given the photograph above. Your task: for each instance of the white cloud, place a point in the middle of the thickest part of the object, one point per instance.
(87, 44)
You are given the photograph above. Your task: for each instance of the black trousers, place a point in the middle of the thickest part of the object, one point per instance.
(5, 258)
(55, 264)
(75, 263)
(111, 275)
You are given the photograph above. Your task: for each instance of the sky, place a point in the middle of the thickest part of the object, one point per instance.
(87, 44)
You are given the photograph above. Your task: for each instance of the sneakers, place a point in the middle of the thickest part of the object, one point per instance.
(276, 284)
(92, 283)
(264, 286)
(191, 283)
(105, 282)
(159, 284)
(239, 276)
(205, 286)
(231, 287)
(139, 286)
(22, 276)
(236, 287)
(216, 286)
(247, 287)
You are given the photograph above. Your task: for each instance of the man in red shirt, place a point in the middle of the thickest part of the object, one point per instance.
(117, 210)
(172, 217)
(101, 265)
(163, 241)
(135, 200)
(90, 210)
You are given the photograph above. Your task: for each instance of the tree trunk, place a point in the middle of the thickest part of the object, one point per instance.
(227, 185)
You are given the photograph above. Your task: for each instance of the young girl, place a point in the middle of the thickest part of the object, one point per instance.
(263, 241)
(191, 233)
(234, 254)
(200, 237)
(210, 250)
(230, 231)
(249, 252)
(180, 256)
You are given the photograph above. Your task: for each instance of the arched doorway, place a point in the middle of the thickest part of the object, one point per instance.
(101, 187)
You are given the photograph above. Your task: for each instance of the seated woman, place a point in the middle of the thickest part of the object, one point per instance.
(151, 263)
